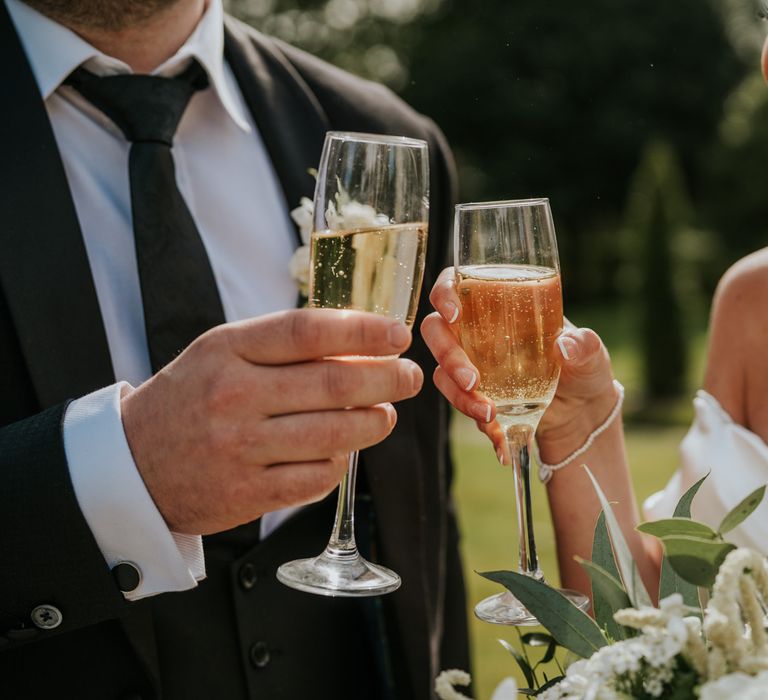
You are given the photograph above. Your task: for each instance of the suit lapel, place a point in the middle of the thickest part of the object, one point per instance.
(44, 269)
(290, 119)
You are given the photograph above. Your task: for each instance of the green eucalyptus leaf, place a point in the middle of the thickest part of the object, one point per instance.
(536, 639)
(677, 526)
(539, 639)
(549, 654)
(602, 551)
(695, 559)
(608, 590)
(572, 628)
(742, 511)
(521, 662)
(670, 582)
(630, 575)
(683, 508)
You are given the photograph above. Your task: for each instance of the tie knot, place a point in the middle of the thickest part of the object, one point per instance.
(147, 108)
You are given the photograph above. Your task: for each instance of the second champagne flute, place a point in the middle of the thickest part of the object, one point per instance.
(508, 280)
(367, 253)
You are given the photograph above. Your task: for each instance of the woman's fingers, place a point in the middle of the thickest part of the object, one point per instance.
(470, 403)
(579, 347)
(445, 348)
(496, 435)
(444, 298)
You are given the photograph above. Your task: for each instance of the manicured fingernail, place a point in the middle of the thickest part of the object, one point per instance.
(450, 312)
(482, 411)
(399, 335)
(500, 456)
(392, 413)
(564, 344)
(466, 378)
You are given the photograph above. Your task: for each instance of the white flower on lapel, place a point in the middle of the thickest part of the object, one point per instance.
(303, 216)
(345, 214)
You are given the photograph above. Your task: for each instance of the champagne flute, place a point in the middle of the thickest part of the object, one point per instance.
(367, 253)
(508, 281)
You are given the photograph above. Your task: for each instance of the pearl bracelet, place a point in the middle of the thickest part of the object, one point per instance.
(547, 470)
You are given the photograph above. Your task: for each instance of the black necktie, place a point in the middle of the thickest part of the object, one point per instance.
(178, 289)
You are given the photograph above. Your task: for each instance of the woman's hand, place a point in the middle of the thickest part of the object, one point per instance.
(585, 393)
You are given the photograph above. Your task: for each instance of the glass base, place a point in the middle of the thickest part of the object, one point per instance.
(348, 576)
(506, 609)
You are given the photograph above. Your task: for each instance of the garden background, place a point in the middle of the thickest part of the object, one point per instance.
(646, 124)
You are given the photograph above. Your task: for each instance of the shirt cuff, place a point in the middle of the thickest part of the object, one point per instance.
(112, 496)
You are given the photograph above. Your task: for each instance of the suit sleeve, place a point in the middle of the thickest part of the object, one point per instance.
(48, 556)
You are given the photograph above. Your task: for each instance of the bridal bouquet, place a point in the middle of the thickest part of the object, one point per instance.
(680, 650)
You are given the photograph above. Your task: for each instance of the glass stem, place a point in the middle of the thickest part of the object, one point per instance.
(519, 437)
(342, 543)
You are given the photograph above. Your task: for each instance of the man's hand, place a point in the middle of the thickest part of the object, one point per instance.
(253, 416)
(585, 393)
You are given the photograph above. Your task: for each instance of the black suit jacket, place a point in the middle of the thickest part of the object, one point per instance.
(240, 634)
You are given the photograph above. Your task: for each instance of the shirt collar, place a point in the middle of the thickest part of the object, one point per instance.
(55, 51)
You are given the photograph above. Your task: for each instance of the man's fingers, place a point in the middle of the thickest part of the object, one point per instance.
(299, 335)
(472, 404)
(299, 484)
(332, 384)
(448, 353)
(315, 436)
(444, 298)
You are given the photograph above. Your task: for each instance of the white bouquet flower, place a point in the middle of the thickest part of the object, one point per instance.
(636, 651)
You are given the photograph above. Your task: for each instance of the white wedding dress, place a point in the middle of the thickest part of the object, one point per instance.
(737, 460)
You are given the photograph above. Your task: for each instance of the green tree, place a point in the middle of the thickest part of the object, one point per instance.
(736, 204)
(657, 214)
(550, 98)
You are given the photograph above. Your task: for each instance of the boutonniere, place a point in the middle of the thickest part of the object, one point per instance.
(303, 217)
(345, 214)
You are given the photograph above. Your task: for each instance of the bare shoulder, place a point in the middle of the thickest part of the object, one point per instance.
(737, 365)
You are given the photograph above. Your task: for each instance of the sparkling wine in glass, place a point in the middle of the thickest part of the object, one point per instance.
(508, 281)
(367, 253)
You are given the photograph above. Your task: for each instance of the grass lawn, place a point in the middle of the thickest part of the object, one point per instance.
(484, 491)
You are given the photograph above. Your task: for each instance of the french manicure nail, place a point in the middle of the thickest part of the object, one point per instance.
(563, 348)
(500, 455)
(450, 312)
(467, 378)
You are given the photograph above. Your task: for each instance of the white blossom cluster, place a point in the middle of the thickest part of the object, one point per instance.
(345, 214)
(445, 682)
(349, 215)
(736, 685)
(728, 651)
(734, 622)
(303, 216)
(649, 659)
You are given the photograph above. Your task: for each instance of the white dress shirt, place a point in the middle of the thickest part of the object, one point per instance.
(229, 184)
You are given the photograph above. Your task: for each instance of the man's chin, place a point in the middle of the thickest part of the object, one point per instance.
(104, 15)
